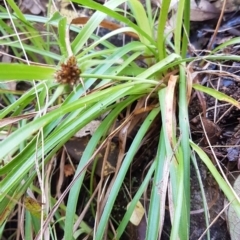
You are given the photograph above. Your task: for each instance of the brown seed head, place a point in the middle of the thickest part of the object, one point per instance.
(69, 72)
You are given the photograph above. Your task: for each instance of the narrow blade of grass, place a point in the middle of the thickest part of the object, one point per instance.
(216, 94)
(228, 191)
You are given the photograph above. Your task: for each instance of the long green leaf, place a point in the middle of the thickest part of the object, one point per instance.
(158, 201)
(122, 172)
(229, 192)
(216, 94)
(74, 192)
(10, 71)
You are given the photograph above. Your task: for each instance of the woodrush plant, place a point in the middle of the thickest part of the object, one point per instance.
(111, 81)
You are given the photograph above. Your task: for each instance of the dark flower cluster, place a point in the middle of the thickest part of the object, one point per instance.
(69, 72)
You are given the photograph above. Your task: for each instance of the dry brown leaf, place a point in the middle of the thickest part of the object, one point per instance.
(6, 121)
(231, 5)
(34, 6)
(213, 131)
(173, 3)
(7, 59)
(203, 11)
(68, 170)
(190, 80)
(89, 129)
(169, 101)
(105, 24)
(233, 221)
(137, 214)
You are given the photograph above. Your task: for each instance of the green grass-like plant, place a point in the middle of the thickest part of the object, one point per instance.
(37, 123)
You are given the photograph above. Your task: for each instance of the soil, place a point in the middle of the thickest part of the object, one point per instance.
(225, 121)
(226, 148)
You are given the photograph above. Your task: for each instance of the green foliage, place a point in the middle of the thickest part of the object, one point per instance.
(111, 81)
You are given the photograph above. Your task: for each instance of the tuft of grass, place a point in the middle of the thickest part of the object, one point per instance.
(37, 123)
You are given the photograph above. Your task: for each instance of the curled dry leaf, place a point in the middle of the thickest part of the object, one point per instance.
(231, 5)
(233, 221)
(105, 24)
(68, 170)
(76, 146)
(213, 131)
(203, 11)
(137, 214)
(34, 6)
(170, 107)
(89, 129)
